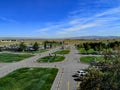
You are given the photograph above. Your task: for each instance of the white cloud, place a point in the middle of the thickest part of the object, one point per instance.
(43, 29)
(109, 12)
(7, 19)
(49, 27)
(75, 21)
(76, 28)
(76, 24)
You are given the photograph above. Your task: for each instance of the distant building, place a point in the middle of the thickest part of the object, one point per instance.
(8, 40)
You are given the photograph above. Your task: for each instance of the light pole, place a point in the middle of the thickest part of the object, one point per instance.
(106, 53)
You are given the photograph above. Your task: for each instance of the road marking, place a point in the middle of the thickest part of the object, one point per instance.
(77, 85)
(68, 84)
(58, 89)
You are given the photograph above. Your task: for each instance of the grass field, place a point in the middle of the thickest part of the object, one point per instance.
(39, 51)
(88, 59)
(62, 52)
(42, 50)
(51, 59)
(90, 51)
(82, 50)
(29, 79)
(7, 57)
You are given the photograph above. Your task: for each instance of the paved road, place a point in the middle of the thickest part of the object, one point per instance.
(63, 80)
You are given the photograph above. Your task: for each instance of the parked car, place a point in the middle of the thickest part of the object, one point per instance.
(79, 73)
(78, 78)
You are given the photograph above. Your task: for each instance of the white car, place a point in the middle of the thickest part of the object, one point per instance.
(79, 73)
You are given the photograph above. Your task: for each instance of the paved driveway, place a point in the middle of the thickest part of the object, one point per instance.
(64, 79)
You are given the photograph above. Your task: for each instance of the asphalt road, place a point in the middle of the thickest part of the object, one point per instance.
(64, 79)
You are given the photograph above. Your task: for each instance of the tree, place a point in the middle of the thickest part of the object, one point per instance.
(51, 45)
(36, 46)
(45, 45)
(105, 77)
(87, 46)
(22, 46)
(0, 49)
(92, 81)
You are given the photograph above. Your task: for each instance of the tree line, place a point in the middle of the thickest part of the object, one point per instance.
(98, 46)
(32, 47)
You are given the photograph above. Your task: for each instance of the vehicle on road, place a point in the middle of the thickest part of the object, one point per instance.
(79, 73)
(78, 78)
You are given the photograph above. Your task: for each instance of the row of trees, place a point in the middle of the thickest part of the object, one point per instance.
(32, 47)
(22, 46)
(98, 46)
(46, 44)
(50, 44)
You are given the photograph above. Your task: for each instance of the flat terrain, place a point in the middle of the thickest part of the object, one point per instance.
(62, 52)
(51, 59)
(29, 79)
(39, 51)
(88, 59)
(8, 57)
(63, 80)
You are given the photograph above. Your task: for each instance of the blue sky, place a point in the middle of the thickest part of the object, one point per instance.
(59, 18)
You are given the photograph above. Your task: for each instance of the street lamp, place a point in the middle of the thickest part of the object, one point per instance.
(105, 55)
(106, 46)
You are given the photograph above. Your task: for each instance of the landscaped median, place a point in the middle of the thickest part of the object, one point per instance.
(62, 52)
(29, 79)
(8, 57)
(90, 51)
(39, 51)
(89, 59)
(51, 59)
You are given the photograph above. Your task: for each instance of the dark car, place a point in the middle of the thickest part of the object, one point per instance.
(78, 78)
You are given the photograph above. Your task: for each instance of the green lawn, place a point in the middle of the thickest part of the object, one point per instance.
(51, 59)
(42, 50)
(8, 57)
(29, 79)
(90, 51)
(62, 52)
(82, 50)
(39, 51)
(88, 59)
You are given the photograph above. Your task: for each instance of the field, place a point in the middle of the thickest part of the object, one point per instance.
(39, 51)
(8, 57)
(62, 52)
(51, 59)
(88, 59)
(29, 79)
